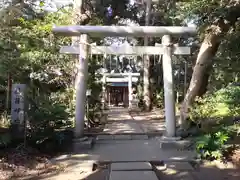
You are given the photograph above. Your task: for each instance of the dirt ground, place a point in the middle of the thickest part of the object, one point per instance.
(236, 158)
(19, 163)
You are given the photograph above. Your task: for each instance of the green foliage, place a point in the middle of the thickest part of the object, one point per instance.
(159, 98)
(5, 139)
(48, 117)
(219, 104)
(30, 54)
(213, 108)
(212, 146)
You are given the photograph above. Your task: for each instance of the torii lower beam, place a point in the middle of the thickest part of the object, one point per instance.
(127, 50)
(138, 31)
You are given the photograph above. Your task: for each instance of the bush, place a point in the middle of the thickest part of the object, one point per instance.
(211, 146)
(48, 118)
(222, 103)
(215, 145)
(158, 99)
(210, 110)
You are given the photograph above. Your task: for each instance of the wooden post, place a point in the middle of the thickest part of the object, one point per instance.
(185, 77)
(9, 88)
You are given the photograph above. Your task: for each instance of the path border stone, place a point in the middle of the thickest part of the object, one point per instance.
(131, 166)
(133, 175)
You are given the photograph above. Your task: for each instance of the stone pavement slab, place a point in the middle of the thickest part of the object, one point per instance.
(123, 127)
(153, 126)
(136, 150)
(133, 175)
(131, 166)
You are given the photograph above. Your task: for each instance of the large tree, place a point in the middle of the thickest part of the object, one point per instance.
(215, 20)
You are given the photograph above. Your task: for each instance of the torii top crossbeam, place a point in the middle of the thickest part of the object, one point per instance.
(124, 31)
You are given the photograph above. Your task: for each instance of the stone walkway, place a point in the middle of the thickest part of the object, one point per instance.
(122, 122)
(131, 154)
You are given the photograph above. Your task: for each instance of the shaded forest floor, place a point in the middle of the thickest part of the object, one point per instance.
(20, 163)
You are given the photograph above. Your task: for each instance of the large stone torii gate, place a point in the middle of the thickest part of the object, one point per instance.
(166, 49)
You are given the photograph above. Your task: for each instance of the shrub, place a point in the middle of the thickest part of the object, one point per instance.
(211, 146)
(47, 119)
(158, 99)
(222, 103)
(216, 106)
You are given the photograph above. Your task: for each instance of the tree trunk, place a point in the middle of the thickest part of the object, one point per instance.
(9, 90)
(203, 89)
(199, 79)
(205, 56)
(82, 13)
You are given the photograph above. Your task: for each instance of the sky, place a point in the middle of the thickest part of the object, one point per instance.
(52, 5)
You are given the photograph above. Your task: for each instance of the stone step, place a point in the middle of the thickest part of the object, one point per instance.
(176, 145)
(133, 175)
(86, 143)
(131, 166)
(123, 137)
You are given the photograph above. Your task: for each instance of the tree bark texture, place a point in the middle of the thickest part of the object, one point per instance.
(203, 66)
(82, 13)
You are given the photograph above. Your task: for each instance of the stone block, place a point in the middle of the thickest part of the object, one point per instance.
(104, 137)
(133, 175)
(131, 166)
(179, 166)
(82, 144)
(181, 144)
(139, 137)
(122, 137)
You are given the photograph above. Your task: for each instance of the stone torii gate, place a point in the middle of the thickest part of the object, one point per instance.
(166, 49)
(158, 49)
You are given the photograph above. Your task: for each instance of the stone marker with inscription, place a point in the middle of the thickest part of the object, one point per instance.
(18, 106)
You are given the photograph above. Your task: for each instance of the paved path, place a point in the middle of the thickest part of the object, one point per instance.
(132, 154)
(121, 122)
(129, 157)
(136, 150)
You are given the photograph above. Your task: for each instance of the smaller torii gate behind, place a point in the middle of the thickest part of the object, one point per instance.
(158, 49)
(166, 49)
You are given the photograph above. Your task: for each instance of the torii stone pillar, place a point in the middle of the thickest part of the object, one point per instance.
(169, 100)
(81, 86)
(130, 91)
